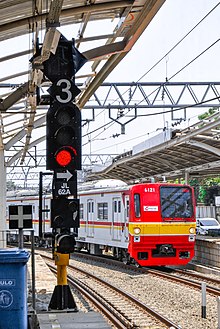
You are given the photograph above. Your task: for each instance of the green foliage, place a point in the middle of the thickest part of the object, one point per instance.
(202, 194)
(205, 115)
(206, 189)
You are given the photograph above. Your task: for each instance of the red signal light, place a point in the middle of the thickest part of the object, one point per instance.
(63, 158)
(65, 155)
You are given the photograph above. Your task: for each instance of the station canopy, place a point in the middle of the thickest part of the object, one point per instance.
(22, 117)
(194, 150)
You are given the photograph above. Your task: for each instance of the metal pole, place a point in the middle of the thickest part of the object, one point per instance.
(21, 238)
(40, 204)
(62, 297)
(186, 177)
(218, 308)
(2, 200)
(203, 300)
(33, 270)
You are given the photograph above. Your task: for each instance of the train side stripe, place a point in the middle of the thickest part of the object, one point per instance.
(162, 228)
(150, 228)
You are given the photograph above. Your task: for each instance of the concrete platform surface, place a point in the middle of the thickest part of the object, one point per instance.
(76, 320)
(45, 281)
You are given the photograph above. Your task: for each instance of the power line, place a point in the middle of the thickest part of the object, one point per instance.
(167, 81)
(194, 59)
(109, 124)
(151, 114)
(180, 108)
(186, 35)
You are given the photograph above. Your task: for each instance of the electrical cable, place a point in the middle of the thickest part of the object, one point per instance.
(158, 113)
(186, 35)
(194, 59)
(111, 123)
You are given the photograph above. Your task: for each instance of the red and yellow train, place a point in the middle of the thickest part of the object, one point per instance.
(150, 224)
(146, 224)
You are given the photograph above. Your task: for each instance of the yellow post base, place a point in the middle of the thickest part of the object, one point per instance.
(61, 260)
(62, 298)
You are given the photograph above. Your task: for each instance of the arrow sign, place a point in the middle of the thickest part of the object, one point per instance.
(64, 175)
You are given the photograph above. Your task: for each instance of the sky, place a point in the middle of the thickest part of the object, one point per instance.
(174, 20)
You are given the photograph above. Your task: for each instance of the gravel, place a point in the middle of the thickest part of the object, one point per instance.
(177, 302)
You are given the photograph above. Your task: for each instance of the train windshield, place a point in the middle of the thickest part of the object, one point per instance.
(176, 202)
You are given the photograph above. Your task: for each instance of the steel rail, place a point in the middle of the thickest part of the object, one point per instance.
(185, 281)
(197, 276)
(110, 310)
(189, 282)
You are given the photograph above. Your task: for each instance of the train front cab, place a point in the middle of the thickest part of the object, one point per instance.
(161, 224)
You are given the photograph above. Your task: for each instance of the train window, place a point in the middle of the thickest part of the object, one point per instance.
(90, 206)
(115, 206)
(127, 210)
(102, 211)
(176, 202)
(137, 205)
(46, 213)
(81, 211)
(119, 206)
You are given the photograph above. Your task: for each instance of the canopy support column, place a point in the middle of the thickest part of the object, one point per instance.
(2, 200)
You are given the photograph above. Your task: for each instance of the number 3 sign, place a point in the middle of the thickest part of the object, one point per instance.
(64, 90)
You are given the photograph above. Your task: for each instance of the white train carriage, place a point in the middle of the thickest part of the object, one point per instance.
(104, 219)
(29, 198)
(146, 224)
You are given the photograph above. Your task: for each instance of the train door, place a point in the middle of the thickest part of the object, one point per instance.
(126, 218)
(90, 218)
(116, 218)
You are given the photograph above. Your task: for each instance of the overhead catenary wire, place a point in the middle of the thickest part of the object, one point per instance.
(184, 37)
(158, 113)
(109, 124)
(185, 66)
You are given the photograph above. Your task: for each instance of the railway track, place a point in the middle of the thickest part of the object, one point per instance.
(193, 279)
(178, 302)
(185, 277)
(122, 309)
(197, 276)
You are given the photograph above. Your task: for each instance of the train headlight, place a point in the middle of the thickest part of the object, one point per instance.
(192, 230)
(137, 230)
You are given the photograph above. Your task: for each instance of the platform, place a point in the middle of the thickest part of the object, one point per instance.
(45, 282)
(78, 320)
(207, 251)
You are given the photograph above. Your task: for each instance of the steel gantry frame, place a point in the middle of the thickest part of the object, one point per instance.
(142, 95)
(131, 100)
(126, 96)
(138, 95)
(30, 17)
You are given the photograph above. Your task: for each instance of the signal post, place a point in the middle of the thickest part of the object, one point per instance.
(63, 156)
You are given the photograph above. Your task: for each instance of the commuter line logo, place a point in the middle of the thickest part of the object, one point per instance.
(6, 298)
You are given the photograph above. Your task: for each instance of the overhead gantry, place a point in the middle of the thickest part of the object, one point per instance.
(20, 113)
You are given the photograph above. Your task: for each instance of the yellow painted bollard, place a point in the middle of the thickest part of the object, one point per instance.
(62, 298)
(62, 261)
